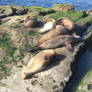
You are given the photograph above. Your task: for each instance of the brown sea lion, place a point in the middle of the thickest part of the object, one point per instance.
(66, 22)
(30, 22)
(59, 30)
(59, 41)
(38, 62)
(50, 24)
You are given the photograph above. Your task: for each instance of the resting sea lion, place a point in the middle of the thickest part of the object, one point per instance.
(59, 41)
(66, 22)
(38, 62)
(59, 30)
(50, 24)
(29, 22)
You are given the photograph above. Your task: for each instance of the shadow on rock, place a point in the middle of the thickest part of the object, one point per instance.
(39, 24)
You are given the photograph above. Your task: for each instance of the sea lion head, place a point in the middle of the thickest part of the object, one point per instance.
(66, 22)
(30, 22)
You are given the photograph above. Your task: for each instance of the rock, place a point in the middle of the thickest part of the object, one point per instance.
(86, 83)
(89, 11)
(63, 7)
(2, 53)
(83, 12)
(12, 10)
(52, 79)
(17, 10)
(5, 11)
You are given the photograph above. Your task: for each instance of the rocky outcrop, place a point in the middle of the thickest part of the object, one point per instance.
(17, 41)
(63, 7)
(5, 11)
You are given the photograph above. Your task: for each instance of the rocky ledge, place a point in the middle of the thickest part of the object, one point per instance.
(16, 40)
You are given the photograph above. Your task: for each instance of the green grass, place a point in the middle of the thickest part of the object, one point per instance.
(4, 68)
(75, 16)
(42, 10)
(15, 26)
(86, 19)
(33, 33)
(6, 44)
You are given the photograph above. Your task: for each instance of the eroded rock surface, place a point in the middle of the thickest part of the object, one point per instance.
(16, 40)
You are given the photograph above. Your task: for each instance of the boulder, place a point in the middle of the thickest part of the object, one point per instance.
(63, 7)
(5, 11)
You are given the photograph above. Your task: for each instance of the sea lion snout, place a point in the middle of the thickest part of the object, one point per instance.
(24, 74)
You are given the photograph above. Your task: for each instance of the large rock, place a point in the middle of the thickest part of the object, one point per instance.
(86, 83)
(19, 10)
(52, 79)
(63, 7)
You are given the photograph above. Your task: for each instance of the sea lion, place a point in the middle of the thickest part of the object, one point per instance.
(50, 24)
(59, 41)
(30, 22)
(38, 62)
(66, 22)
(59, 30)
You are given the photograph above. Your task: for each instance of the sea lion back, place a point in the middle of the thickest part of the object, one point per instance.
(38, 62)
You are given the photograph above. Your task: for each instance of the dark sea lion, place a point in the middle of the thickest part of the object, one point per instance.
(59, 30)
(59, 41)
(30, 22)
(50, 24)
(66, 22)
(38, 62)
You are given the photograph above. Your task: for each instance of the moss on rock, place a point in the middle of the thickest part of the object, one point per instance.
(72, 14)
(6, 44)
(18, 10)
(5, 11)
(41, 10)
(86, 83)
